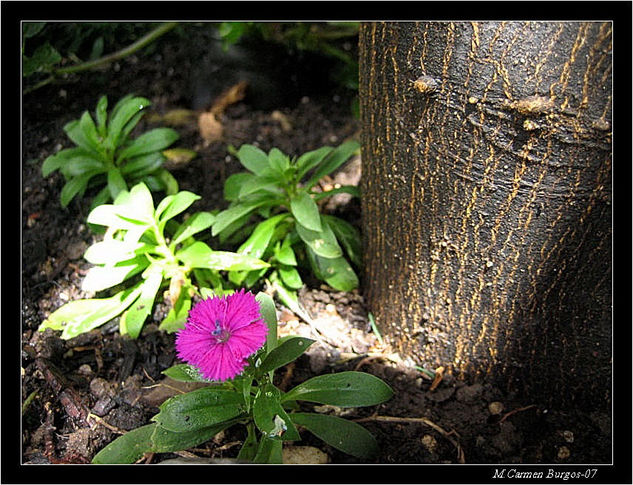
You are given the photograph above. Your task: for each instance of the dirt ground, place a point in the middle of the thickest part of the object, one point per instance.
(83, 393)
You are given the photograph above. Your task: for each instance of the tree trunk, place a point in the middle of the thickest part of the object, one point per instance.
(486, 202)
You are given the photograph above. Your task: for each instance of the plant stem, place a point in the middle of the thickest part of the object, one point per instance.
(115, 56)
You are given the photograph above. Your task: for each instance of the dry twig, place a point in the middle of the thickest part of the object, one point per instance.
(461, 458)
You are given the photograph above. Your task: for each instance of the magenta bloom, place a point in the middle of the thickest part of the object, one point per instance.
(220, 334)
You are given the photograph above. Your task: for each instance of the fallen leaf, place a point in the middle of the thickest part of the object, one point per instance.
(286, 126)
(232, 95)
(174, 117)
(178, 157)
(210, 128)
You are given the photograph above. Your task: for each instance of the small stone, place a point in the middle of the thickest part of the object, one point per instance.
(563, 453)
(569, 436)
(84, 370)
(429, 443)
(298, 455)
(495, 407)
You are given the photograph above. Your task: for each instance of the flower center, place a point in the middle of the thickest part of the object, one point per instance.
(221, 335)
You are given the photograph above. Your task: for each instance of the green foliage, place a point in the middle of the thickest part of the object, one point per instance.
(270, 416)
(106, 153)
(46, 44)
(294, 232)
(141, 240)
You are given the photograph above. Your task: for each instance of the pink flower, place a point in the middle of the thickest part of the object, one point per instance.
(220, 334)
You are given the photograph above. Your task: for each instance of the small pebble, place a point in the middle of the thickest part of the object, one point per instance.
(495, 407)
(563, 453)
(569, 436)
(429, 442)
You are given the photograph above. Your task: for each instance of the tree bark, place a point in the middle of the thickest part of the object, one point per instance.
(486, 204)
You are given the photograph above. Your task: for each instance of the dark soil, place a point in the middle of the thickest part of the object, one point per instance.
(84, 392)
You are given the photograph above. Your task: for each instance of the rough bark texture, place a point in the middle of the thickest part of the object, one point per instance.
(487, 200)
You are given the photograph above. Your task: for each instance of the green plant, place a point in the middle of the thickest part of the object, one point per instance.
(56, 49)
(281, 190)
(141, 240)
(106, 153)
(270, 415)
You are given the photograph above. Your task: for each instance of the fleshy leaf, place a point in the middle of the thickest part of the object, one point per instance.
(199, 255)
(323, 242)
(305, 210)
(184, 373)
(270, 417)
(254, 159)
(127, 448)
(344, 435)
(199, 409)
(79, 316)
(351, 389)
(285, 353)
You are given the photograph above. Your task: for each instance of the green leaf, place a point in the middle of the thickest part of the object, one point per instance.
(269, 451)
(133, 319)
(89, 130)
(344, 435)
(253, 159)
(79, 316)
(305, 211)
(74, 167)
(166, 441)
(184, 373)
(179, 203)
(75, 133)
(123, 113)
(149, 142)
(285, 254)
(261, 185)
(348, 236)
(310, 159)
(59, 159)
(285, 353)
(336, 272)
(127, 448)
(116, 182)
(333, 161)
(270, 418)
(258, 242)
(142, 165)
(290, 277)
(269, 314)
(108, 215)
(234, 184)
(244, 384)
(199, 409)
(75, 186)
(278, 162)
(193, 225)
(347, 389)
(102, 116)
(136, 205)
(199, 255)
(166, 181)
(234, 213)
(249, 447)
(100, 278)
(323, 242)
(111, 251)
(42, 60)
(288, 298)
(177, 315)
